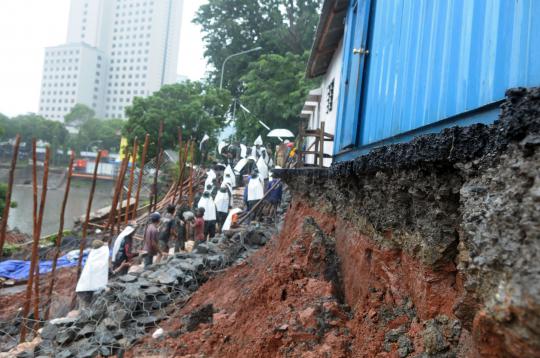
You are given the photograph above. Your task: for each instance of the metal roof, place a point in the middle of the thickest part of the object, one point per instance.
(327, 38)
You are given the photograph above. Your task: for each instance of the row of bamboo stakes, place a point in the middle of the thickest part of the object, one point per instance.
(116, 215)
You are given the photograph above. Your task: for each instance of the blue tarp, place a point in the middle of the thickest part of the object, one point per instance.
(19, 270)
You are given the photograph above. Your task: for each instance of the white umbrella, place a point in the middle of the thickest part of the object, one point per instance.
(280, 132)
(221, 145)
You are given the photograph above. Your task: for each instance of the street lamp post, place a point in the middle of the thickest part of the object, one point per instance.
(234, 55)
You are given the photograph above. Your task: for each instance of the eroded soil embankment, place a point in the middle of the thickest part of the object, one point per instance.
(438, 247)
(448, 224)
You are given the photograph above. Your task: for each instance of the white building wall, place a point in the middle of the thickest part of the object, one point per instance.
(326, 109)
(138, 41)
(72, 74)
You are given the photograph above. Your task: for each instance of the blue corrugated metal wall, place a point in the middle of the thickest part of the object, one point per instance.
(434, 59)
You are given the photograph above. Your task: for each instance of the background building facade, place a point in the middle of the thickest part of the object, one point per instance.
(116, 50)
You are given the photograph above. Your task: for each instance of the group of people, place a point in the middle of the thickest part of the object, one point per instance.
(212, 212)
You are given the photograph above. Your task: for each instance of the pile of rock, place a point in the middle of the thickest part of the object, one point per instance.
(133, 304)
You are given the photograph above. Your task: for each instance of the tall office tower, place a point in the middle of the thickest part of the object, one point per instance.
(116, 50)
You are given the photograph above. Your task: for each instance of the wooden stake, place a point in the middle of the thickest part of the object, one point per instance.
(5, 215)
(131, 178)
(181, 182)
(179, 163)
(153, 199)
(59, 236)
(117, 193)
(35, 245)
(191, 176)
(87, 217)
(42, 202)
(321, 145)
(141, 174)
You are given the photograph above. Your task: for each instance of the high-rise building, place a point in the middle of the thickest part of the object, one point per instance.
(116, 50)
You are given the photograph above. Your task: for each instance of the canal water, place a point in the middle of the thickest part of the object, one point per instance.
(21, 216)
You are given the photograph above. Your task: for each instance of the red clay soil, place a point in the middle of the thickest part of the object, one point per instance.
(279, 304)
(11, 304)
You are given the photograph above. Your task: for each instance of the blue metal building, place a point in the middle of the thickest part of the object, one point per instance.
(417, 66)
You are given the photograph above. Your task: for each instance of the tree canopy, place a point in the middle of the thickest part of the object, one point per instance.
(197, 108)
(275, 90)
(35, 126)
(269, 82)
(104, 133)
(232, 26)
(79, 115)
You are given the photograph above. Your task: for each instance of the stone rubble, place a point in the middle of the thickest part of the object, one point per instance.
(135, 303)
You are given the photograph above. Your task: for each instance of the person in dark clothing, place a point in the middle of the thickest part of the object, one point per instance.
(274, 196)
(196, 200)
(214, 188)
(151, 246)
(181, 226)
(166, 228)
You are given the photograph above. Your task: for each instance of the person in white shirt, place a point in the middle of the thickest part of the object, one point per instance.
(223, 204)
(210, 216)
(95, 273)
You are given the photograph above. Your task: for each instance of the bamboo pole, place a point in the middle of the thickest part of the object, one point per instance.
(191, 176)
(256, 206)
(179, 163)
(184, 161)
(87, 217)
(153, 199)
(121, 195)
(321, 145)
(5, 215)
(131, 178)
(118, 215)
(117, 194)
(141, 173)
(35, 245)
(59, 236)
(44, 188)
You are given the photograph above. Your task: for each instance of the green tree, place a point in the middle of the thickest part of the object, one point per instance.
(3, 121)
(275, 90)
(231, 26)
(197, 108)
(78, 115)
(3, 191)
(35, 126)
(102, 133)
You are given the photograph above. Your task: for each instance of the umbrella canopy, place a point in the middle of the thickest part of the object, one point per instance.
(280, 132)
(221, 145)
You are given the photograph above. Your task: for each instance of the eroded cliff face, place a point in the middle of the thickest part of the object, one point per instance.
(438, 239)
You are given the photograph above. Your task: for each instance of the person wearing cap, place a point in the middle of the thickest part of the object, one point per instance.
(95, 273)
(151, 235)
(122, 253)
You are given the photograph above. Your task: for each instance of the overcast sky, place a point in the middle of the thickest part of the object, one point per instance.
(28, 26)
